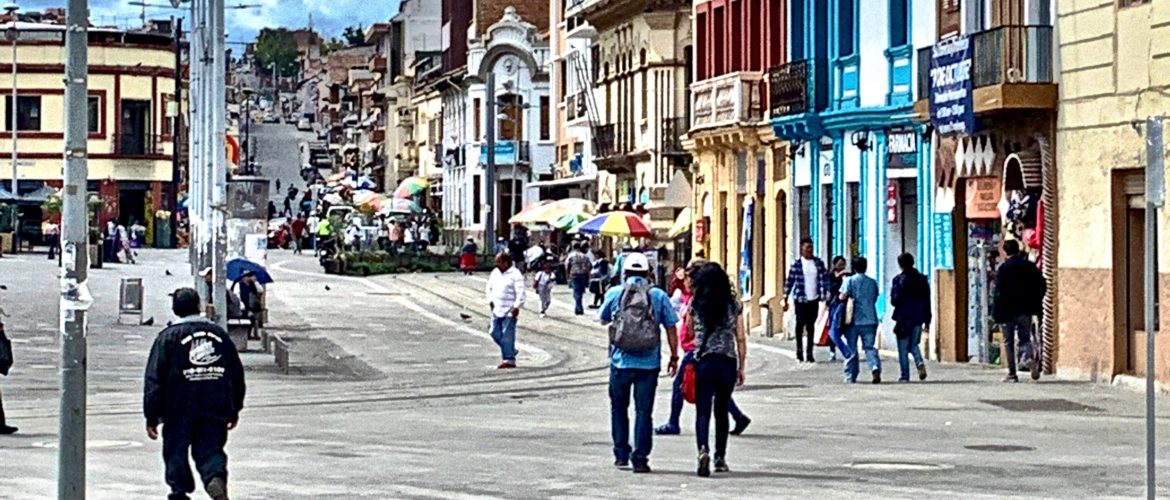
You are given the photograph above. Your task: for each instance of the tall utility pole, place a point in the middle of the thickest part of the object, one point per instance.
(176, 132)
(1155, 199)
(489, 176)
(195, 167)
(217, 142)
(14, 123)
(75, 298)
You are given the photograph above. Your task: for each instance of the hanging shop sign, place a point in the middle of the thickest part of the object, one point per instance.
(983, 195)
(892, 202)
(901, 148)
(505, 153)
(951, 104)
(942, 236)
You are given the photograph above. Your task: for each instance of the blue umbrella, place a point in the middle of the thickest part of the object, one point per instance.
(236, 268)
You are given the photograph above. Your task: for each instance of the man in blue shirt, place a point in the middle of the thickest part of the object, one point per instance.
(637, 369)
(863, 291)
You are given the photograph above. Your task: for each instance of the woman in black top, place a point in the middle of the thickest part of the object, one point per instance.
(721, 349)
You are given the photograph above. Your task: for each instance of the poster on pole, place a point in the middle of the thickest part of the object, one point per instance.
(952, 110)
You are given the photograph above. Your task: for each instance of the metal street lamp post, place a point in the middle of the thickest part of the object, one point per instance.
(13, 108)
(247, 156)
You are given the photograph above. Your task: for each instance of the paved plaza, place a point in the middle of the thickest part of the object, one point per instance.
(393, 394)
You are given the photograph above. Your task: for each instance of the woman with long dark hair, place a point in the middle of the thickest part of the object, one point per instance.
(719, 359)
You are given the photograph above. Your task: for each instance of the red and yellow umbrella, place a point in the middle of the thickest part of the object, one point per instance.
(626, 224)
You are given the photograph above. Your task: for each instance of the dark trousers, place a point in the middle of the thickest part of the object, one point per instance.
(677, 399)
(579, 283)
(806, 320)
(2, 421)
(642, 384)
(715, 377)
(202, 439)
(1018, 329)
(53, 242)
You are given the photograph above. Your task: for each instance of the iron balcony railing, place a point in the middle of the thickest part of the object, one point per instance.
(672, 131)
(728, 99)
(605, 140)
(1003, 55)
(798, 87)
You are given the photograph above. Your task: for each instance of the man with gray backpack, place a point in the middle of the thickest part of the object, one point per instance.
(636, 313)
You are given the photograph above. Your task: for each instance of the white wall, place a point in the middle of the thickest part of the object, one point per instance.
(874, 40)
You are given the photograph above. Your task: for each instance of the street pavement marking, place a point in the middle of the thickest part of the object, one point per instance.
(539, 356)
(358, 335)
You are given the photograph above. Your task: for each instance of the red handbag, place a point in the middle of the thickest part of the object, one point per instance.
(688, 383)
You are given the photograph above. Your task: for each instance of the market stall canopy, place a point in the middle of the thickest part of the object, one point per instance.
(627, 224)
(6, 195)
(554, 212)
(683, 223)
(411, 187)
(400, 206)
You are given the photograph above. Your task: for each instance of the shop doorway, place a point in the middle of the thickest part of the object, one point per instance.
(901, 236)
(132, 203)
(1129, 233)
(511, 196)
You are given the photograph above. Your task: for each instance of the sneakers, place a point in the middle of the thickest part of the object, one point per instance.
(721, 465)
(7, 429)
(833, 356)
(877, 376)
(1011, 378)
(642, 469)
(667, 430)
(506, 365)
(704, 469)
(1035, 371)
(741, 425)
(922, 371)
(217, 489)
(621, 464)
(178, 496)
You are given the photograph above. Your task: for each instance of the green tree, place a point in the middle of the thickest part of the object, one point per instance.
(276, 46)
(354, 35)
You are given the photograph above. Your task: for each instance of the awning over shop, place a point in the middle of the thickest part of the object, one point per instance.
(567, 181)
(678, 193)
(682, 224)
(6, 195)
(41, 195)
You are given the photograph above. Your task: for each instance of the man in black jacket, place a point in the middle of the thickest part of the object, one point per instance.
(195, 389)
(1020, 288)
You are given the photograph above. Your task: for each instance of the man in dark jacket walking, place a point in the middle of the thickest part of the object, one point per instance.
(910, 296)
(195, 389)
(1020, 288)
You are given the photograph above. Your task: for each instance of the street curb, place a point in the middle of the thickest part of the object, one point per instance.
(1138, 384)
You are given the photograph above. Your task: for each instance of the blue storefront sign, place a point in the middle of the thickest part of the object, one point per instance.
(944, 254)
(505, 153)
(951, 104)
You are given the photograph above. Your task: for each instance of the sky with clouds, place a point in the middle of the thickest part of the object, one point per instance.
(330, 17)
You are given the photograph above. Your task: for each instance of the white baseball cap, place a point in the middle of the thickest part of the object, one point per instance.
(636, 262)
(206, 271)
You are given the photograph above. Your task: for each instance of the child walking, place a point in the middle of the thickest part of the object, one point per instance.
(543, 283)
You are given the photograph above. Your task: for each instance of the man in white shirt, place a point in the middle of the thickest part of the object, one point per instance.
(506, 294)
(807, 285)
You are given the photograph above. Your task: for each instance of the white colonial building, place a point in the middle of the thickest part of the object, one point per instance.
(515, 51)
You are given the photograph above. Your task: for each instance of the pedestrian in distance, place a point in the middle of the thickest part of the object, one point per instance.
(53, 238)
(835, 307)
(861, 321)
(124, 244)
(271, 209)
(1021, 289)
(298, 233)
(467, 257)
(599, 279)
(681, 300)
(5, 365)
(807, 285)
(195, 389)
(506, 295)
(543, 284)
(636, 313)
(311, 230)
(910, 297)
(719, 359)
(578, 266)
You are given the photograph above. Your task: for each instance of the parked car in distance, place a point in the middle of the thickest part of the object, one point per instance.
(304, 125)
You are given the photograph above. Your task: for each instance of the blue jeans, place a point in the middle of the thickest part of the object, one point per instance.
(907, 346)
(1018, 328)
(867, 334)
(580, 283)
(836, 329)
(504, 333)
(677, 400)
(643, 384)
(715, 378)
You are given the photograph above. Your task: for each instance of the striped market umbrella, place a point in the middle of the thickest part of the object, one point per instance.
(411, 187)
(625, 224)
(555, 213)
(400, 206)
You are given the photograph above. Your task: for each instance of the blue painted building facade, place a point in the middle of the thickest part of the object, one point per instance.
(845, 102)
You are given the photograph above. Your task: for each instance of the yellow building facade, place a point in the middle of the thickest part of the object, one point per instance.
(1114, 73)
(131, 82)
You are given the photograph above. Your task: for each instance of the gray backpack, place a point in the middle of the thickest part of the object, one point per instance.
(634, 328)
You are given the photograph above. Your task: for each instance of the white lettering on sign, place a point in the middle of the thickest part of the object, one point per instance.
(902, 142)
